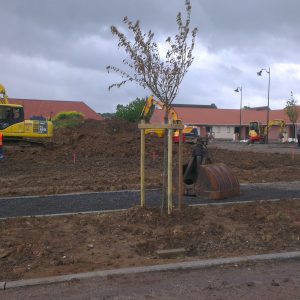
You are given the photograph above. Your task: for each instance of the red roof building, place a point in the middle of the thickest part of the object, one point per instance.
(50, 108)
(224, 122)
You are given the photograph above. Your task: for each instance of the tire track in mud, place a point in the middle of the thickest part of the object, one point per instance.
(107, 201)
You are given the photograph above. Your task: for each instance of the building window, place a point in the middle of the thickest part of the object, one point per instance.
(236, 129)
(228, 129)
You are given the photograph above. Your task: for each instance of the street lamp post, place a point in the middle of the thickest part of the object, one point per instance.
(237, 90)
(268, 109)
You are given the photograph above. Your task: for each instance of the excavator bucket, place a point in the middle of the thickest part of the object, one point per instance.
(202, 178)
(216, 181)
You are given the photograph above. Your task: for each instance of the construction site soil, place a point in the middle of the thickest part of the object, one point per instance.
(105, 156)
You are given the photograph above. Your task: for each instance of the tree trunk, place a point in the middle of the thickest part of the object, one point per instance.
(165, 166)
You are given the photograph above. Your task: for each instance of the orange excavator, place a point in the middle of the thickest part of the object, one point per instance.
(201, 177)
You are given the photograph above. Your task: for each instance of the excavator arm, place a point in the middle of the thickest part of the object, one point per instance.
(276, 122)
(147, 109)
(3, 98)
(151, 101)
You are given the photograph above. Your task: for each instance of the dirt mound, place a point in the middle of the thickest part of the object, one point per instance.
(106, 138)
(105, 155)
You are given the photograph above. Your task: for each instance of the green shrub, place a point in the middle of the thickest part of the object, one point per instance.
(68, 119)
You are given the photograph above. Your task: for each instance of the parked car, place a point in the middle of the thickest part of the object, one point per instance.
(192, 136)
(189, 135)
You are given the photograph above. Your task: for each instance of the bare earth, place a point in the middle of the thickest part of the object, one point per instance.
(35, 247)
(105, 156)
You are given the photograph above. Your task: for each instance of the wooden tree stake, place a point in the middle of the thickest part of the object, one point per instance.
(170, 170)
(143, 166)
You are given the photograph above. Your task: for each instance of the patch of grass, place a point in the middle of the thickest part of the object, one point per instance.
(68, 119)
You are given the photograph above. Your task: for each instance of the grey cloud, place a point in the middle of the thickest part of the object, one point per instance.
(51, 48)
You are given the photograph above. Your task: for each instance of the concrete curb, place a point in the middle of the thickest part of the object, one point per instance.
(199, 264)
(76, 194)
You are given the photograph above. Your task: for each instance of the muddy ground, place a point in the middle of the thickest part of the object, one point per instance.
(100, 156)
(103, 156)
(34, 247)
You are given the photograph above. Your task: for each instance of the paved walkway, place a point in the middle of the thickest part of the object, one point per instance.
(99, 201)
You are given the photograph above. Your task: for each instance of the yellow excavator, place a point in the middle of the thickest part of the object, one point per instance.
(189, 131)
(15, 127)
(258, 133)
(201, 177)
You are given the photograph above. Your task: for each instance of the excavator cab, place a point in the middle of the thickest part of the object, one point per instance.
(256, 133)
(10, 115)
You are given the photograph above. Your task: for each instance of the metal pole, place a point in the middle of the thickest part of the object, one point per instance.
(240, 133)
(268, 109)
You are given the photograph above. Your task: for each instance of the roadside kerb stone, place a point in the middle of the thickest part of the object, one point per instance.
(170, 253)
(199, 264)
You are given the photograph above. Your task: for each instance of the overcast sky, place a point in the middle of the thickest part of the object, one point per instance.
(59, 49)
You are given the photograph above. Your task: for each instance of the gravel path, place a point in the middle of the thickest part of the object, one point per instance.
(73, 203)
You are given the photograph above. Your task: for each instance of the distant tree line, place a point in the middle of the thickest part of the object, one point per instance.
(130, 112)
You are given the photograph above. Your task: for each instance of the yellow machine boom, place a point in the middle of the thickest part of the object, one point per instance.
(172, 114)
(4, 98)
(276, 122)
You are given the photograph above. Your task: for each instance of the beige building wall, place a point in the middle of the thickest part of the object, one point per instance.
(223, 132)
(218, 131)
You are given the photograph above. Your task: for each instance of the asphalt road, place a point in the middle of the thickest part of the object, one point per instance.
(272, 280)
(99, 201)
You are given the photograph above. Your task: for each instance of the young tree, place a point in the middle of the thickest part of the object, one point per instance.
(292, 111)
(146, 67)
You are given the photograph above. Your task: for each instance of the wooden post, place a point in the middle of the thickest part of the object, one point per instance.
(170, 158)
(142, 166)
(170, 127)
(180, 171)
